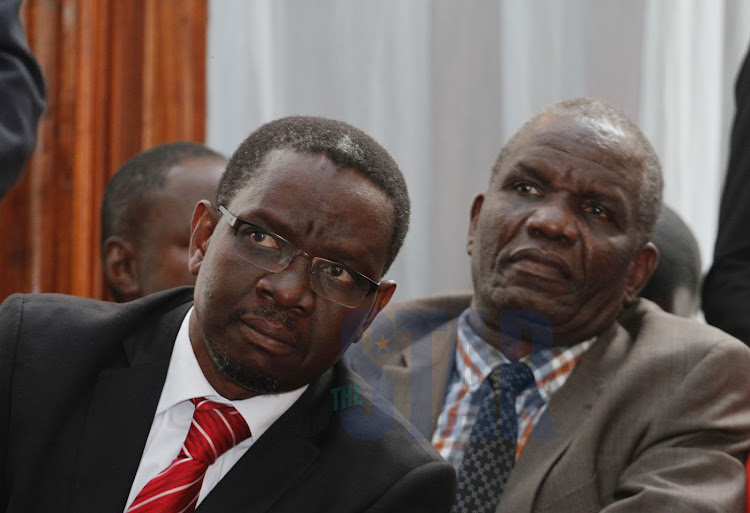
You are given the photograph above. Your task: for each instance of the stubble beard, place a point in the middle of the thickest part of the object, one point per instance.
(233, 371)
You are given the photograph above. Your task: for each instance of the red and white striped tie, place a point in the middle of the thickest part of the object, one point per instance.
(216, 428)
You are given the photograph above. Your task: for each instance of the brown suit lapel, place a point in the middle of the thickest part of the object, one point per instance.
(567, 410)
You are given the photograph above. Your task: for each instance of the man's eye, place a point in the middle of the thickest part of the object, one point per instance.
(262, 239)
(527, 188)
(597, 211)
(339, 273)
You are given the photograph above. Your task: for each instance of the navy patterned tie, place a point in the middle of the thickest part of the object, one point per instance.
(491, 453)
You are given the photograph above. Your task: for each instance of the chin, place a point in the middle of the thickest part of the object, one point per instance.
(256, 382)
(552, 308)
(262, 385)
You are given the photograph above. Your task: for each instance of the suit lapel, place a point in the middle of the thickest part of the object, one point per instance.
(120, 414)
(566, 412)
(412, 373)
(279, 459)
(420, 379)
(262, 476)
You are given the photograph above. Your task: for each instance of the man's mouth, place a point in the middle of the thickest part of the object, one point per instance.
(272, 339)
(539, 263)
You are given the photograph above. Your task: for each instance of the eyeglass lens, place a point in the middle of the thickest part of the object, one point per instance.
(329, 279)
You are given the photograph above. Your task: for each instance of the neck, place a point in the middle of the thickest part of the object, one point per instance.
(515, 333)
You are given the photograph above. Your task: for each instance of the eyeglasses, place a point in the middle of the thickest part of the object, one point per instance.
(273, 253)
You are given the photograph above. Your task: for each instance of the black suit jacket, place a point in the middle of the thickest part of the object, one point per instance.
(21, 96)
(726, 289)
(79, 384)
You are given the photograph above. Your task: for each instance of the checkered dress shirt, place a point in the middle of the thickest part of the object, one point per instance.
(473, 362)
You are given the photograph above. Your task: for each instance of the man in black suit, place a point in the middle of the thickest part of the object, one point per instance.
(726, 289)
(21, 96)
(96, 398)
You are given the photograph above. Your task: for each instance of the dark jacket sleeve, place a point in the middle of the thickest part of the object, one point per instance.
(430, 488)
(726, 290)
(22, 96)
(10, 317)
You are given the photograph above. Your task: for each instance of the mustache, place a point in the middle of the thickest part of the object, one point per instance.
(270, 313)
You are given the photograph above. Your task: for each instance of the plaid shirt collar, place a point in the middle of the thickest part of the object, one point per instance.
(477, 359)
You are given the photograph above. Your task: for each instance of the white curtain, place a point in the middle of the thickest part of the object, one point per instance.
(442, 84)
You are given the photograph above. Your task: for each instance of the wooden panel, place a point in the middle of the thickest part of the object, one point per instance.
(90, 151)
(180, 106)
(126, 74)
(122, 75)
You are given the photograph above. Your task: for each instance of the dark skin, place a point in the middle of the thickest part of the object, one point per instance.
(557, 232)
(158, 258)
(252, 328)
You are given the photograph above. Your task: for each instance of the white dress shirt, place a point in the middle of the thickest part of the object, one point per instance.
(174, 414)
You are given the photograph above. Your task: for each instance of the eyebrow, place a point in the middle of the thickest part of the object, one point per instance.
(604, 197)
(522, 170)
(271, 223)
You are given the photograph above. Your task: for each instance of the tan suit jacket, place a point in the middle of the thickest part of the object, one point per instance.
(655, 417)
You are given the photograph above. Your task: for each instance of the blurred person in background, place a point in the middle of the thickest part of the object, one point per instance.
(146, 214)
(676, 283)
(22, 96)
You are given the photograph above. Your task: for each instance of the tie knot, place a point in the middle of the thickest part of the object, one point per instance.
(511, 378)
(215, 429)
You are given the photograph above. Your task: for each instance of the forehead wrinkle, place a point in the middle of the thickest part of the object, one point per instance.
(598, 139)
(344, 251)
(268, 220)
(522, 167)
(572, 175)
(612, 166)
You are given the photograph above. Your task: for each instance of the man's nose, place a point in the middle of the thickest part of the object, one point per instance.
(290, 287)
(555, 220)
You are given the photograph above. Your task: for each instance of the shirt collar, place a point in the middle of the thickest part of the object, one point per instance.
(185, 381)
(475, 358)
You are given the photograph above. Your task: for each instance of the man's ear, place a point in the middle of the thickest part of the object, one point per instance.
(120, 270)
(476, 207)
(641, 269)
(383, 297)
(201, 228)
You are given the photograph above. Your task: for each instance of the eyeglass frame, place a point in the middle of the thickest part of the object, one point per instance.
(235, 223)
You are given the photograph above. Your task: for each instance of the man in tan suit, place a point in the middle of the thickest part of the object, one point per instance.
(553, 387)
